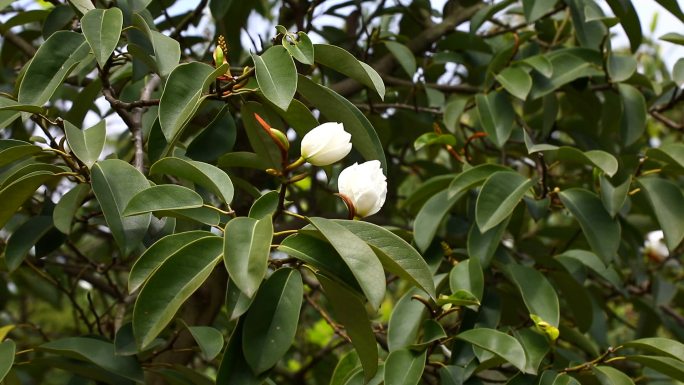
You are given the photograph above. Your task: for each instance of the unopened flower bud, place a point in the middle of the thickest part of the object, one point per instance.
(326, 144)
(365, 186)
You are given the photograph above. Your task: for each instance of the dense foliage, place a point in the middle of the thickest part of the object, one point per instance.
(160, 226)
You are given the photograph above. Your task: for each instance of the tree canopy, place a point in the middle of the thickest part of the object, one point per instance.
(371, 191)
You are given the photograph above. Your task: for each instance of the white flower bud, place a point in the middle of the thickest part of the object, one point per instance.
(326, 144)
(365, 186)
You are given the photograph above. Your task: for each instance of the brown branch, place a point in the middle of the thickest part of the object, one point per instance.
(451, 88)
(22, 44)
(517, 27)
(666, 121)
(401, 106)
(417, 45)
(189, 19)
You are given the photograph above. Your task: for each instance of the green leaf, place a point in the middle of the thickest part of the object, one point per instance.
(534, 9)
(204, 174)
(431, 216)
(404, 323)
(98, 352)
(613, 197)
(395, 254)
(301, 49)
(338, 109)
(246, 250)
(159, 252)
(673, 37)
(593, 263)
(458, 298)
(608, 375)
(82, 6)
(360, 258)
(276, 75)
(16, 150)
(24, 238)
(668, 366)
(234, 368)
(7, 349)
(621, 67)
(667, 201)
(167, 51)
(539, 296)
(452, 112)
(541, 64)
(65, 211)
(467, 275)
(629, 18)
(53, 62)
(86, 144)
(404, 56)
(345, 63)
(499, 195)
(678, 72)
(536, 347)
(351, 312)
(404, 367)
(271, 322)
(13, 195)
(601, 159)
(209, 339)
(170, 285)
(671, 153)
(659, 345)
(602, 231)
(262, 143)
(182, 96)
(162, 197)
(431, 138)
(568, 65)
(483, 245)
(496, 116)
(346, 367)
(237, 303)
(473, 176)
(266, 204)
(115, 182)
(498, 343)
(673, 7)
(633, 121)
(102, 29)
(516, 81)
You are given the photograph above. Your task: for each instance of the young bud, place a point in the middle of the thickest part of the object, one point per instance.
(326, 144)
(365, 186)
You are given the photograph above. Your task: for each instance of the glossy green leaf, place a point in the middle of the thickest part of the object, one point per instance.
(209, 339)
(534, 9)
(633, 122)
(404, 56)
(483, 245)
(203, 214)
(82, 6)
(473, 176)
(7, 114)
(499, 195)
(102, 28)
(602, 232)
(568, 65)
(171, 284)
(15, 194)
(539, 296)
(467, 275)
(458, 298)
(404, 323)
(670, 367)
(86, 144)
(182, 96)
(541, 64)
(601, 159)
(345, 63)
(234, 368)
(516, 81)
(671, 153)
(204, 174)
(395, 254)
(404, 367)
(613, 197)
(593, 263)
(338, 109)
(629, 18)
(271, 322)
(608, 375)
(114, 183)
(24, 238)
(7, 349)
(237, 303)
(162, 197)
(266, 204)
(659, 345)
(431, 216)
(453, 111)
(16, 150)
(346, 367)
(302, 49)
(673, 37)
(536, 347)
(496, 116)
(360, 258)
(167, 50)
(159, 252)
(350, 311)
(431, 138)
(498, 343)
(53, 62)
(667, 201)
(621, 67)
(276, 75)
(246, 250)
(98, 352)
(678, 72)
(673, 7)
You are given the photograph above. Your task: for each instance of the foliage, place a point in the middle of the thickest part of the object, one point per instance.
(528, 164)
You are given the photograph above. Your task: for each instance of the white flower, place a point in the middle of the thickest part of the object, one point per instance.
(365, 186)
(326, 144)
